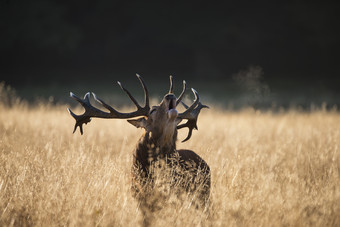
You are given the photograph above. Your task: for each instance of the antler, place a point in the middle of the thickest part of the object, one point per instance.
(91, 111)
(171, 90)
(191, 113)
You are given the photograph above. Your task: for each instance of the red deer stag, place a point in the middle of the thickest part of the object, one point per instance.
(158, 143)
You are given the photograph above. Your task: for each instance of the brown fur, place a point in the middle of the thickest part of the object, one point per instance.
(157, 148)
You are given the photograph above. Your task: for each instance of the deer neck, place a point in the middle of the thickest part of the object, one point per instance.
(160, 144)
(152, 147)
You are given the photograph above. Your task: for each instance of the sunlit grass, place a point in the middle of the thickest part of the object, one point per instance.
(267, 170)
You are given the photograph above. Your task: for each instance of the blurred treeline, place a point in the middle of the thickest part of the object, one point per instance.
(259, 53)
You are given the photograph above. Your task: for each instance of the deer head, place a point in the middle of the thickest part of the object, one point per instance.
(160, 121)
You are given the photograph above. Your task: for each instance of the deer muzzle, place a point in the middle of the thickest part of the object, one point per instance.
(172, 114)
(171, 106)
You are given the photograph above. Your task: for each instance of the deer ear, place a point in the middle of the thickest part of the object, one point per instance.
(138, 123)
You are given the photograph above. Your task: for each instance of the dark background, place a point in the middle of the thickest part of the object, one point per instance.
(236, 53)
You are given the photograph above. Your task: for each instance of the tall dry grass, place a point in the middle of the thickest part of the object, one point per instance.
(267, 170)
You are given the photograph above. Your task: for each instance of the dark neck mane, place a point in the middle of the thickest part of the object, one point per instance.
(149, 149)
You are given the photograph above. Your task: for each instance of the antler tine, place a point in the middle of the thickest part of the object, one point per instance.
(191, 114)
(179, 99)
(129, 94)
(185, 105)
(186, 114)
(146, 97)
(91, 111)
(84, 101)
(189, 133)
(108, 107)
(81, 119)
(171, 90)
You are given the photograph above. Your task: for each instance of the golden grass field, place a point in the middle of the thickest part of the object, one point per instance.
(268, 169)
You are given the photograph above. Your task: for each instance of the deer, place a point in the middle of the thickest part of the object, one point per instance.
(158, 143)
